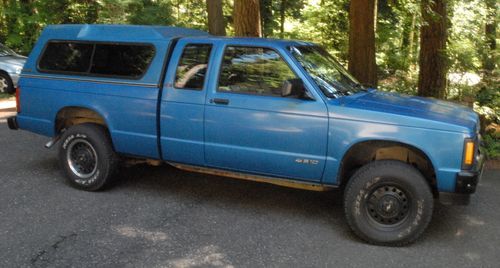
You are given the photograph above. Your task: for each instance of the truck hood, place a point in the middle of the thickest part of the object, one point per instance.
(448, 115)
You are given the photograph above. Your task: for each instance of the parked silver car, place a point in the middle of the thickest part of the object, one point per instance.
(11, 65)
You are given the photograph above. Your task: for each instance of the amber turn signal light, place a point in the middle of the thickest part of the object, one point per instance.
(469, 153)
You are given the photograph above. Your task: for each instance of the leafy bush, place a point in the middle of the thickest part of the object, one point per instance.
(400, 82)
(489, 95)
(5, 96)
(491, 145)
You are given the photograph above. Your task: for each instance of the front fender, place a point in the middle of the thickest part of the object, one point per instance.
(443, 148)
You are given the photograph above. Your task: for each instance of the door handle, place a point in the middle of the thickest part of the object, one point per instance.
(220, 101)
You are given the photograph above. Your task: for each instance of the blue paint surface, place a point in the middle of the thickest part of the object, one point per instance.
(254, 134)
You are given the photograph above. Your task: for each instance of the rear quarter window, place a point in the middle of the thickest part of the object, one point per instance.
(66, 57)
(97, 59)
(122, 60)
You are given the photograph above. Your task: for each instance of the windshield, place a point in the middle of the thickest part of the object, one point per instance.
(5, 51)
(328, 74)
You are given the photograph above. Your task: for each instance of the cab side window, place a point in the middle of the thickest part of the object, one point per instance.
(192, 67)
(253, 70)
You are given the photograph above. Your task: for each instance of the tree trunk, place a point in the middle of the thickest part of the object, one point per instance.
(246, 16)
(266, 17)
(3, 21)
(411, 39)
(215, 18)
(282, 17)
(432, 62)
(362, 41)
(490, 30)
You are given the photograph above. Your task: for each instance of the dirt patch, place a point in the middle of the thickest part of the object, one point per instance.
(493, 128)
(493, 164)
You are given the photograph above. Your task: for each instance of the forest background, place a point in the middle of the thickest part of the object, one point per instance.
(444, 49)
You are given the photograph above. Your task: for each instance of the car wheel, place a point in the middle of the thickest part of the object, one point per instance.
(388, 203)
(6, 85)
(87, 156)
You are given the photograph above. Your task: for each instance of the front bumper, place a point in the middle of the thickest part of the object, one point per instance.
(465, 184)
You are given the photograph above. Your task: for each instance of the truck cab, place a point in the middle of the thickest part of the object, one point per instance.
(276, 111)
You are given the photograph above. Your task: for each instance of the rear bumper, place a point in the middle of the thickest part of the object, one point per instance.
(465, 184)
(12, 123)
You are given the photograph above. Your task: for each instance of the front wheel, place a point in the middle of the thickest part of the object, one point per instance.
(87, 156)
(388, 203)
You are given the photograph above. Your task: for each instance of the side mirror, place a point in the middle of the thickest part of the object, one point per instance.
(293, 87)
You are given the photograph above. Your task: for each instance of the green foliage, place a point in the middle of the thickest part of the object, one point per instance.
(397, 32)
(401, 82)
(190, 13)
(5, 96)
(465, 36)
(112, 11)
(323, 22)
(271, 13)
(149, 12)
(269, 24)
(489, 95)
(492, 145)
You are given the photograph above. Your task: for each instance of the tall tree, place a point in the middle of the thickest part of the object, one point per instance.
(490, 29)
(362, 19)
(283, 6)
(289, 8)
(432, 61)
(246, 16)
(267, 18)
(216, 25)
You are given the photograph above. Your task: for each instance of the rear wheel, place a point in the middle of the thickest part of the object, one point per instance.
(6, 85)
(388, 203)
(87, 156)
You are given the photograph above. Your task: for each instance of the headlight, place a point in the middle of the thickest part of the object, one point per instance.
(18, 70)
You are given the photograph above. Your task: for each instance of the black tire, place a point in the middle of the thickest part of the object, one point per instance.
(388, 203)
(6, 85)
(87, 157)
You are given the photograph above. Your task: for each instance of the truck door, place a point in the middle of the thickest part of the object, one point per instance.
(183, 99)
(249, 127)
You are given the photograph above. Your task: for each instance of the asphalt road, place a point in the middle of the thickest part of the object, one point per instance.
(163, 217)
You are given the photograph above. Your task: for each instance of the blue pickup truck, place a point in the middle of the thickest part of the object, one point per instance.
(275, 111)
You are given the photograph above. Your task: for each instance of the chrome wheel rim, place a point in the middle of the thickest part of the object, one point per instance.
(4, 85)
(82, 158)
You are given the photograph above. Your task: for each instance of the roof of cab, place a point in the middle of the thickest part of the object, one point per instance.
(107, 32)
(142, 33)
